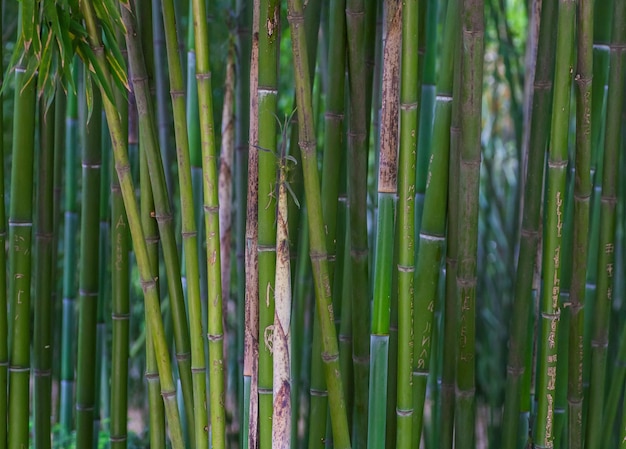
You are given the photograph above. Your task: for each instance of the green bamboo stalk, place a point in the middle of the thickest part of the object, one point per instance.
(20, 227)
(582, 195)
(88, 284)
(318, 254)
(189, 234)
(469, 172)
(151, 232)
(251, 325)
(42, 339)
(331, 181)
(405, 224)
(4, 353)
(103, 357)
(148, 282)
(555, 197)
(387, 192)
(432, 234)
(69, 264)
(211, 217)
(267, 93)
(606, 248)
(158, 47)
(519, 344)
(120, 301)
(357, 194)
(163, 213)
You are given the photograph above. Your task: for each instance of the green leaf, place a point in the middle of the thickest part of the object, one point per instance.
(92, 64)
(28, 23)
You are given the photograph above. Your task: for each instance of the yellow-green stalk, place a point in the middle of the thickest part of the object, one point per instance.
(211, 217)
(318, 253)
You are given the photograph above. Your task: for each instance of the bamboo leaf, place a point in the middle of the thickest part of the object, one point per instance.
(28, 21)
(91, 62)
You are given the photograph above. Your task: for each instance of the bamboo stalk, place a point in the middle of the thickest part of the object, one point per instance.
(606, 247)
(69, 257)
(357, 197)
(432, 235)
(198, 368)
(519, 344)
(20, 230)
(318, 254)
(251, 334)
(582, 195)
(44, 238)
(88, 285)
(4, 350)
(281, 337)
(120, 301)
(469, 172)
(551, 259)
(211, 217)
(149, 285)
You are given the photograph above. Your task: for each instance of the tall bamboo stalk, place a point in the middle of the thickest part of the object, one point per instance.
(555, 197)
(69, 257)
(88, 285)
(4, 352)
(281, 337)
(387, 192)
(519, 344)
(251, 325)
(318, 254)
(42, 339)
(357, 197)
(267, 93)
(20, 234)
(582, 195)
(190, 246)
(147, 131)
(405, 224)
(606, 247)
(120, 301)
(469, 172)
(211, 217)
(149, 285)
(432, 234)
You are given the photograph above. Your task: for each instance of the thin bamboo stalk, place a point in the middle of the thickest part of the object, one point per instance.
(387, 191)
(432, 234)
(318, 254)
(163, 213)
(151, 231)
(69, 264)
(4, 352)
(211, 217)
(357, 194)
(555, 197)
(190, 246)
(149, 285)
(120, 301)
(606, 247)
(42, 339)
(582, 195)
(88, 284)
(251, 325)
(519, 344)
(20, 234)
(469, 172)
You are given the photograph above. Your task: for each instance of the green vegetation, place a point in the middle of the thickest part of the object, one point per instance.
(351, 224)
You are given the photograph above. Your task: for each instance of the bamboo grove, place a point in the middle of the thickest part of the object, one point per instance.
(313, 224)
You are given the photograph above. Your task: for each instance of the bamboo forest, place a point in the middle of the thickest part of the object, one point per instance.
(368, 224)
